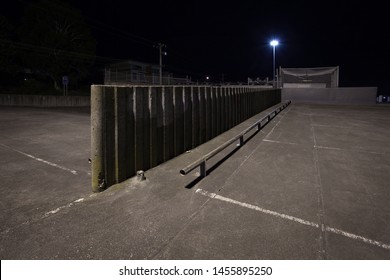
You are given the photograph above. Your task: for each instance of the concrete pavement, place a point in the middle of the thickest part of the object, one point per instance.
(43, 161)
(313, 184)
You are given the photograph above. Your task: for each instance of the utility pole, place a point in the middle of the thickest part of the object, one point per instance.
(160, 46)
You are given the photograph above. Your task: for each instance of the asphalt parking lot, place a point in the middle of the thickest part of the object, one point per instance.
(313, 184)
(44, 161)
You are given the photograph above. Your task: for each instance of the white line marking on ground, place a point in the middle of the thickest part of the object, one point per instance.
(53, 211)
(327, 148)
(324, 125)
(294, 219)
(358, 237)
(257, 208)
(62, 207)
(74, 172)
(277, 124)
(206, 193)
(47, 214)
(279, 142)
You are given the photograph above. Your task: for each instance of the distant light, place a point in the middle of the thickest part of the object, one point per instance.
(207, 78)
(274, 43)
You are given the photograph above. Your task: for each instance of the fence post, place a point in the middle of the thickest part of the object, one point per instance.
(203, 171)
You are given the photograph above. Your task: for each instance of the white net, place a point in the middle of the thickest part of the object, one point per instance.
(320, 77)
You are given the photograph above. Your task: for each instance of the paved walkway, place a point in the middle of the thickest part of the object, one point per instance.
(313, 184)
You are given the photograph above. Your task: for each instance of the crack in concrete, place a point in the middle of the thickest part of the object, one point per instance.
(321, 211)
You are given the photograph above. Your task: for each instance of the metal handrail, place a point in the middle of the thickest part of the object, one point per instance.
(201, 163)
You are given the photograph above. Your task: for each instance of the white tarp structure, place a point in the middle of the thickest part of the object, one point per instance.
(319, 77)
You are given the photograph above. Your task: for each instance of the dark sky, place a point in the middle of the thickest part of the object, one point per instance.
(232, 37)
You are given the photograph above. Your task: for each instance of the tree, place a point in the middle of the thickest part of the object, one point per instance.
(56, 41)
(8, 52)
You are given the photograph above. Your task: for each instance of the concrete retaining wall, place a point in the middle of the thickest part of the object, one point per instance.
(353, 95)
(139, 127)
(44, 100)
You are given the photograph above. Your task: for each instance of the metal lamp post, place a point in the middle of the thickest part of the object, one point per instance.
(274, 43)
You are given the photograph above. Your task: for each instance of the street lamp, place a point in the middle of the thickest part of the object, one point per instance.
(274, 43)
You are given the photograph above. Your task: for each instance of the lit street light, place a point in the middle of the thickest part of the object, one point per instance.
(274, 43)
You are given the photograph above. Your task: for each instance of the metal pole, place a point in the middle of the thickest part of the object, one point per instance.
(273, 69)
(160, 48)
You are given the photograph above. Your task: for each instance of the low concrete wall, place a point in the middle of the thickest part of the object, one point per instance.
(350, 95)
(44, 100)
(138, 127)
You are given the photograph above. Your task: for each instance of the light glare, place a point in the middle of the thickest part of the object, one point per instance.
(274, 43)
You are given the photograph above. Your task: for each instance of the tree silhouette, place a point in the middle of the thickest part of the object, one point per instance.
(55, 41)
(7, 49)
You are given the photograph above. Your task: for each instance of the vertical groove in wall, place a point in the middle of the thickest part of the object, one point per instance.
(160, 126)
(202, 114)
(187, 118)
(153, 100)
(195, 117)
(209, 110)
(129, 152)
(168, 123)
(120, 133)
(178, 120)
(141, 128)
(223, 109)
(109, 135)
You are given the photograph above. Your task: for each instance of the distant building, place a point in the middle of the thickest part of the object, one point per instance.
(136, 73)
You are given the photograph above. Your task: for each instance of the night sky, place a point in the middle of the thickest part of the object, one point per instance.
(232, 37)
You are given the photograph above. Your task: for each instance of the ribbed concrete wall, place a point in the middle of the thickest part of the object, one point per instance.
(44, 100)
(137, 128)
(346, 96)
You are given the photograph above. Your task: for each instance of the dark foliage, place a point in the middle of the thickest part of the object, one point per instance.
(55, 41)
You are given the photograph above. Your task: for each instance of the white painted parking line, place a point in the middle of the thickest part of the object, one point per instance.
(74, 172)
(294, 219)
(327, 148)
(358, 237)
(257, 208)
(279, 142)
(62, 207)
